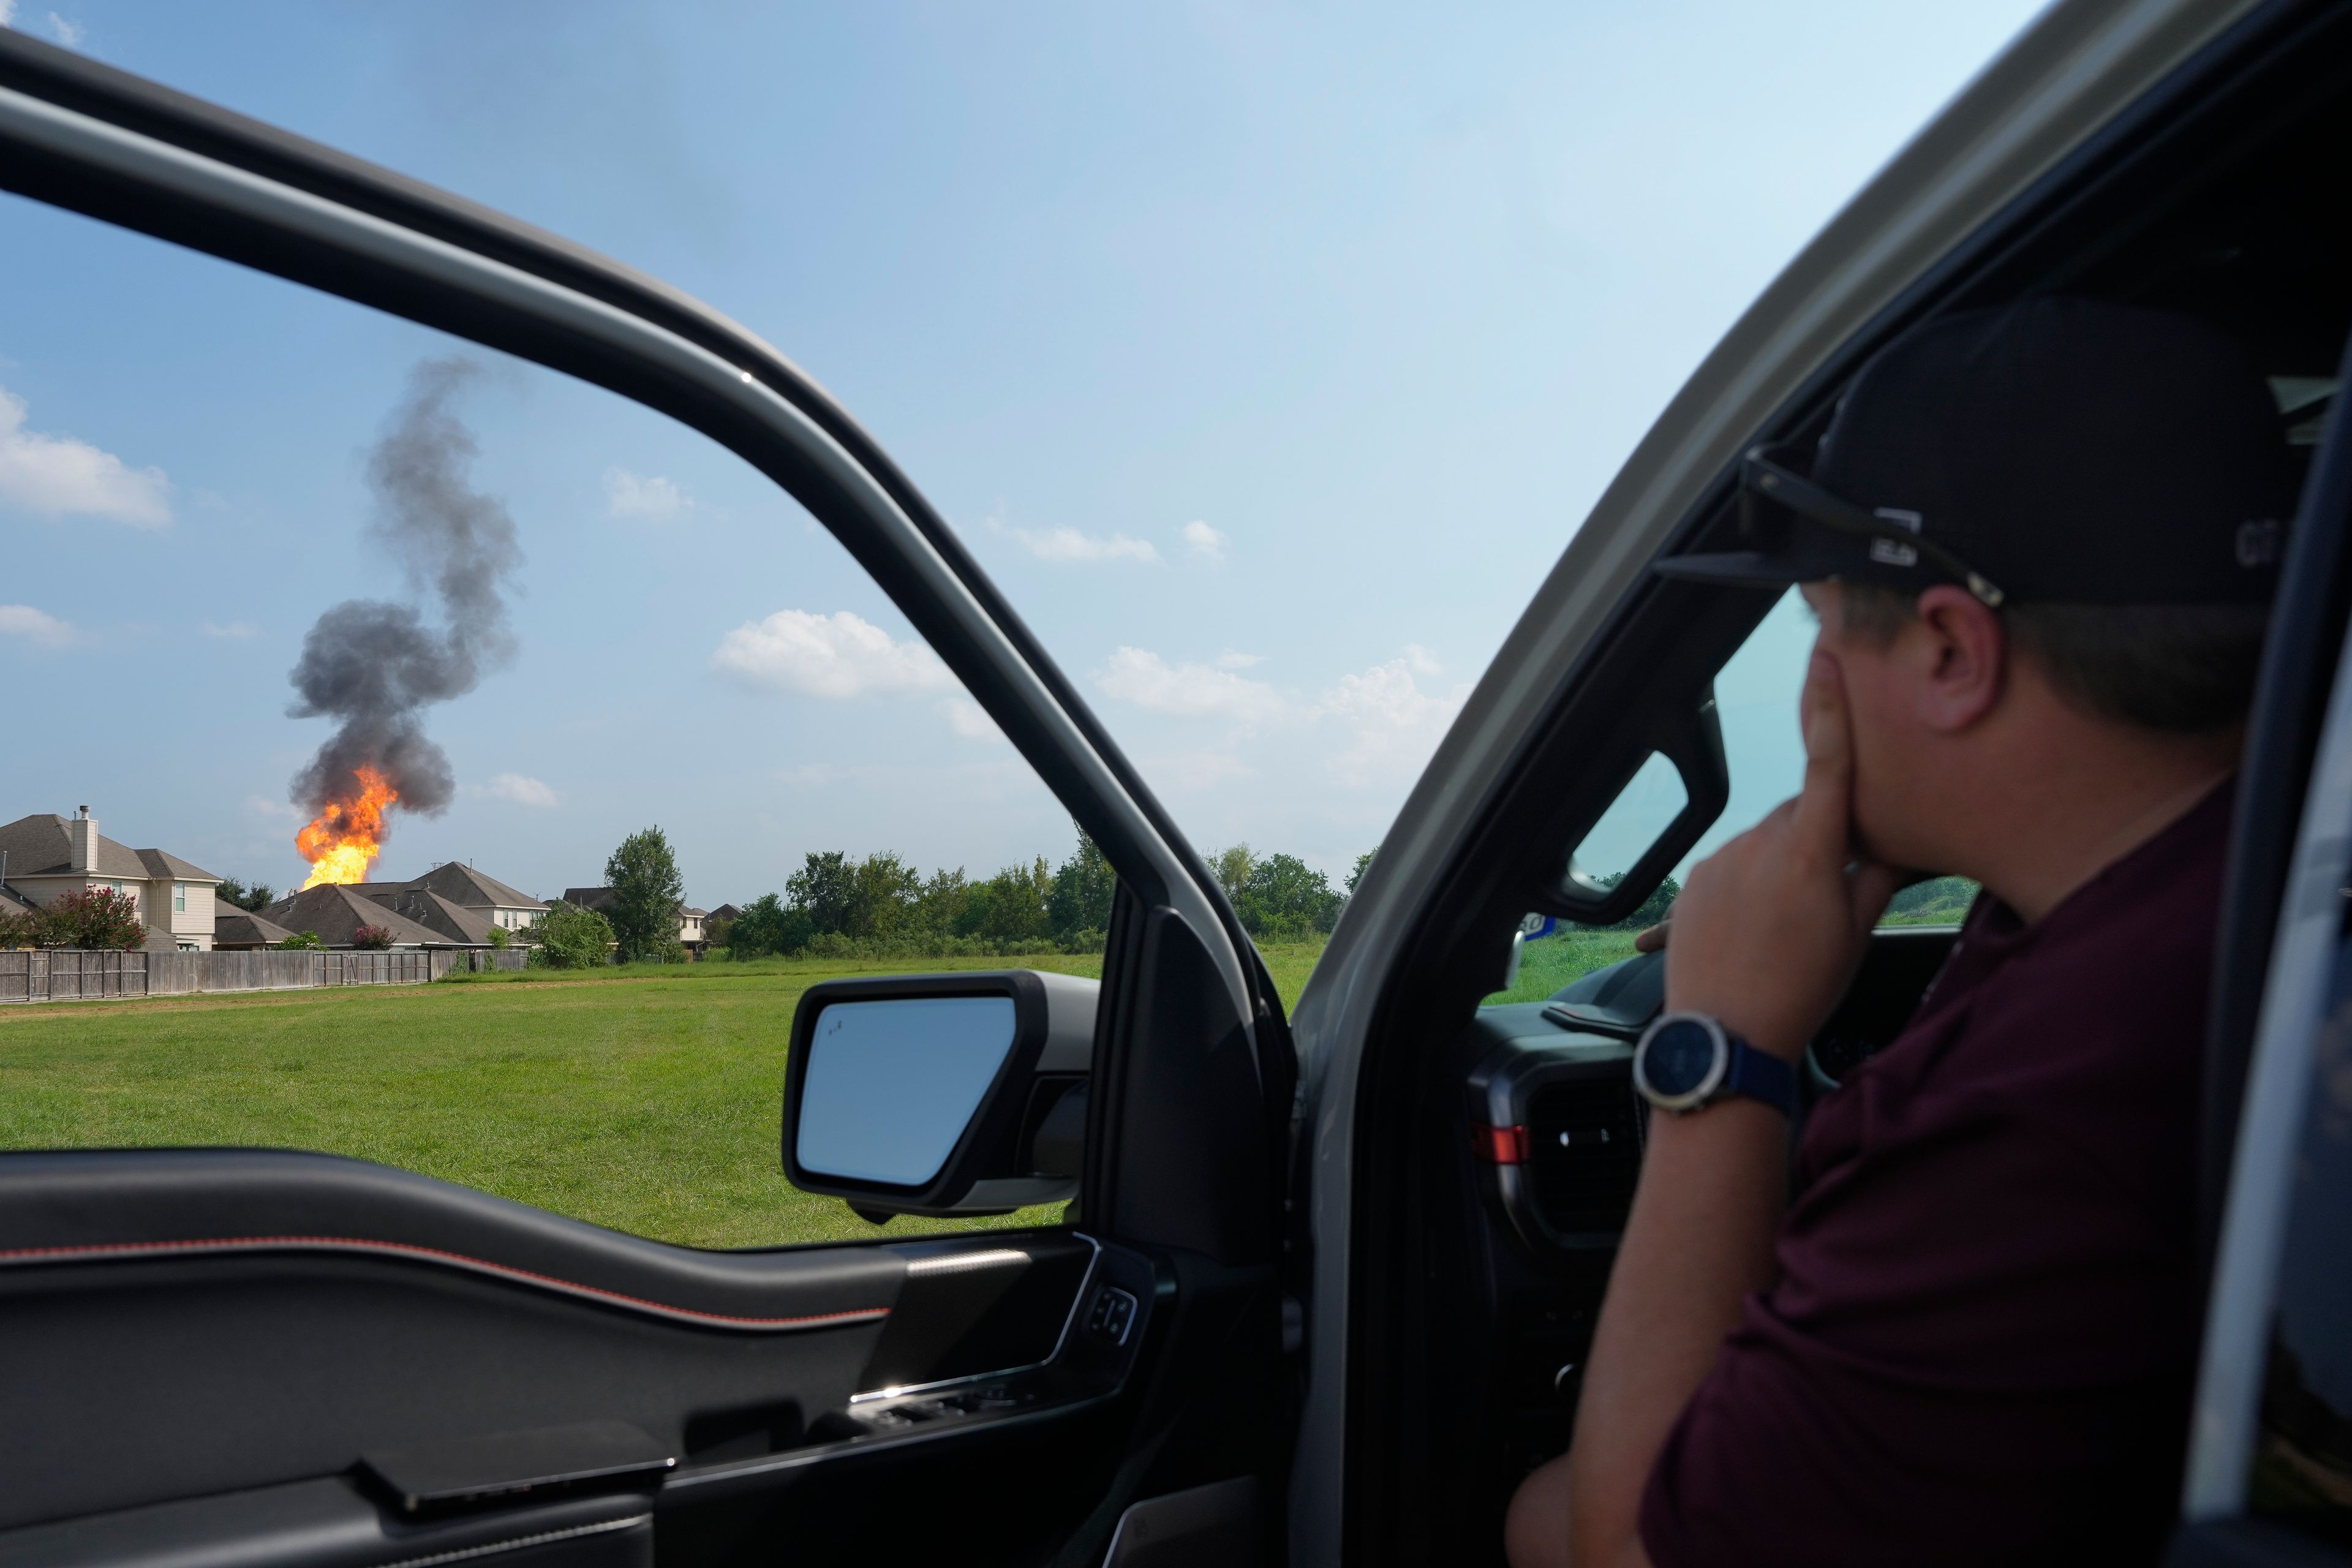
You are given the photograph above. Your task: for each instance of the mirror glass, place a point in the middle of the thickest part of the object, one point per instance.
(1636, 819)
(891, 1085)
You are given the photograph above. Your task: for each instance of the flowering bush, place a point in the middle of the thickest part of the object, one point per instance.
(374, 939)
(93, 917)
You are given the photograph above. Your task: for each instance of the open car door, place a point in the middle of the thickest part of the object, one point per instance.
(224, 1355)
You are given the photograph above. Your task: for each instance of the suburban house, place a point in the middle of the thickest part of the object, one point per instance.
(727, 913)
(497, 903)
(451, 887)
(335, 911)
(43, 858)
(452, 905)
(454, 920)
(689, 919)
(236, 930)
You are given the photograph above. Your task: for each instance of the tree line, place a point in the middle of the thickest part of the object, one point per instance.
(837, 904)
(841, 905)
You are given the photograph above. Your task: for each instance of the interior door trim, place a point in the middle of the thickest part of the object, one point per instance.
(1077, 1304)
(111, 1252)
(2302, 968)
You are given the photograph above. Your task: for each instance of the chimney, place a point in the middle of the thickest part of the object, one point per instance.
(83, 833)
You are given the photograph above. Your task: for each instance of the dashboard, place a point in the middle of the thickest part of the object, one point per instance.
(1556, 1127)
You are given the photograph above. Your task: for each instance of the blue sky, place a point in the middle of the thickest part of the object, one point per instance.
(1267, 356)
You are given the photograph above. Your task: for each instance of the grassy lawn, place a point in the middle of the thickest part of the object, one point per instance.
(1546, 965)
(642, 1099)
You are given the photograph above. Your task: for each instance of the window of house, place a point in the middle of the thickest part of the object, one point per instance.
(179, 897)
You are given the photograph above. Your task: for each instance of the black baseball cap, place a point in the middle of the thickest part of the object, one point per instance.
(2061, 450)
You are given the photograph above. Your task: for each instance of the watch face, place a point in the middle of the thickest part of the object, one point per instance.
(1678, 1057)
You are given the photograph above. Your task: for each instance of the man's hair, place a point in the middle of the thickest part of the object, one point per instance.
(2180, 668)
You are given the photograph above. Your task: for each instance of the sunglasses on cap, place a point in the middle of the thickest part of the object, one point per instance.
(1764, 476)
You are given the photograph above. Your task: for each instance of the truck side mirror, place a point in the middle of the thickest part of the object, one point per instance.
(940, 1094)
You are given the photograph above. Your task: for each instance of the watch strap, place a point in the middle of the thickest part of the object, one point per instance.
(1759, 1076)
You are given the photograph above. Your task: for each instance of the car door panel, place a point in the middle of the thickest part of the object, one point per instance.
(333, 1523)
(225, 1320)
(216, 1379)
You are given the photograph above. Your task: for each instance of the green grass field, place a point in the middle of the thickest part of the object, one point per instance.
(1546, 965)
(644, 1098)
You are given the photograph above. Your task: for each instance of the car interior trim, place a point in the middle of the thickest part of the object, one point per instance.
(104, 1252)
(2277, 1093)
(1079, 1301)
(1026, 707)
(522, 1542)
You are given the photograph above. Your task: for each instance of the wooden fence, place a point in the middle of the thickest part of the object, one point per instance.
(66, 974)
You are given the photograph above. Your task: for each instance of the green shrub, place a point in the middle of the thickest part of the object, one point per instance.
(303, 941)
(572, 937)
(1282, 899)
(501, 937)
(26, 927)
(93, 917)
(767, 927)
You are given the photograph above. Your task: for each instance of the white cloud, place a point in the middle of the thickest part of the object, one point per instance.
(837, 655)
(1192, 691)
(7, 13)
(655, 500)
(35, 626)
(1202, 769)
(269, 810)
(1069, 544)
(1203, 540)
(520, 789)
(69, 34)
(970, 719)
(1233, 658)
(55, 475)
(235, 631)
(1393, 725)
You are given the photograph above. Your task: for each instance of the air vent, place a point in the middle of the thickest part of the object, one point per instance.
(1584, 1153)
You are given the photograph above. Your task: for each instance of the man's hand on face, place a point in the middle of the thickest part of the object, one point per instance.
(1769, 930)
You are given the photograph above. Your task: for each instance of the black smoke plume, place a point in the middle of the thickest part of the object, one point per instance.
(374, 664)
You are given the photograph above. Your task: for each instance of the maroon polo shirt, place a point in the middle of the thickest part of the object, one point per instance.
(1980, 1342)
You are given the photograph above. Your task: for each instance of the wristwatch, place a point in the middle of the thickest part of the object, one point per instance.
(1687, 1061)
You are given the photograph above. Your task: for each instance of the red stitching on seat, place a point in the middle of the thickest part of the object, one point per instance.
(502, 1270)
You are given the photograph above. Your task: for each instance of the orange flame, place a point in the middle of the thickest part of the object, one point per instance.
(348, 835)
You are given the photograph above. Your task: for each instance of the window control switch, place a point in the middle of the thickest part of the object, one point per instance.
(1111, 1315)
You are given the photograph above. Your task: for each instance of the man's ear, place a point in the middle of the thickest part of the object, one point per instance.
(1959, 659)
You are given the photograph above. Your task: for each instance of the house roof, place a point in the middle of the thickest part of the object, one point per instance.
(454, 920)
(39, 846)
(242, 928)
(160, 864)
(334, 912)
(588, 898)
(463, 885)
(15, 903)
(727, 912)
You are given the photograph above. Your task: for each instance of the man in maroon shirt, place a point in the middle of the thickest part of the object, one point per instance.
(2040, 540)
